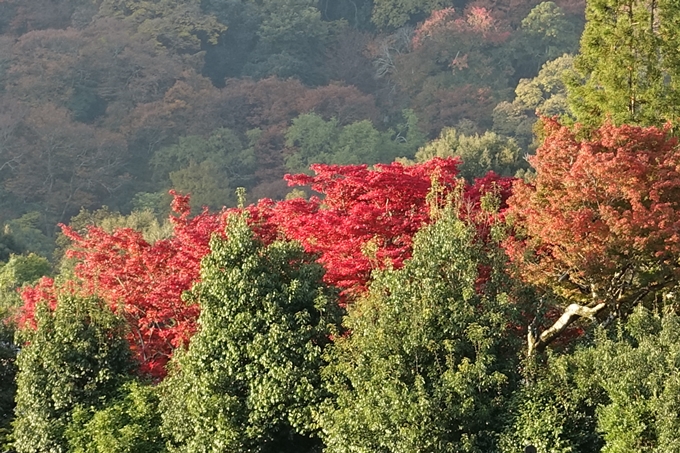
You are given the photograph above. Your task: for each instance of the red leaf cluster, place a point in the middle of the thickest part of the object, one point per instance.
(598, 206)
(364, 220)
(368, 217)
(143, 282)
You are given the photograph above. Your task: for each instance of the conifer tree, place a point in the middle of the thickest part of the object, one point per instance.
(628, 64)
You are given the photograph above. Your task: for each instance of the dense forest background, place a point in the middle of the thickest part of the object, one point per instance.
(413, 226)
(113, 103)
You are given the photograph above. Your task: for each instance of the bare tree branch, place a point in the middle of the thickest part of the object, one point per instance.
(572, 312)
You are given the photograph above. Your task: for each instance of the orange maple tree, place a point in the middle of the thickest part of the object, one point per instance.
(600, 223)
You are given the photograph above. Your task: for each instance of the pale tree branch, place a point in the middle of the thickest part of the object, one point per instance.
(573, 312)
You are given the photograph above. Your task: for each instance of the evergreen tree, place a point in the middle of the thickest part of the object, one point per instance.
(76, 356)
(479, 153)
(130, 423)
(629, 62)
(20, 269)
(618, 393)
(426, 366)
(250, 379)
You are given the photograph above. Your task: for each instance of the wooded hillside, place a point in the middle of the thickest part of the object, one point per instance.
(339, 226)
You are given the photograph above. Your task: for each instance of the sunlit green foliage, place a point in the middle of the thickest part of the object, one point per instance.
(619, 394)
(75, 357)
(315, 140)
(177, 26)
(17, 271)
(130, 423)
(544, 95)
(27, 234)
(548, 33)
(479, 153)
(250, 379)
(427, 365)
(629, 61)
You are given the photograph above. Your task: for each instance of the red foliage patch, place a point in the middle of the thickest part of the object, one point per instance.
(364, 220)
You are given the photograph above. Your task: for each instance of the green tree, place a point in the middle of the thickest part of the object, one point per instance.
(210, 169)
(479, 153)
(76, 356)
(618, 392)
(21, 269)
(18, 270)
(639, 370)
(8, 244)
(556, 408)
(179, 26)
(629, 61)
(26, 231)
(315, 140)
(229, 55)
(392, 14)
(356, 12)
(430, 360)
(130, 423)
(543, 95)
(282, 49)
(548, 33)
(250, 379)
(8, 352)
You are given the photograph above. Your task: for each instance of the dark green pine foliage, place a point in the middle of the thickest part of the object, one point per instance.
(629, 64)
(76, 357)
(250, 380)
(431, 359)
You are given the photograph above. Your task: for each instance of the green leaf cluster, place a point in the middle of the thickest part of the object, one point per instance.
(619, 394)
(76, 357)
(392, 14)
(426, 366)
(315, 140)
(17, 271)
(549, 33)
(250, 379)
(543, 95)
(130, 423)
(479, 153)
(629, 61)
(282, 49)
(209, 169)
(178, 26)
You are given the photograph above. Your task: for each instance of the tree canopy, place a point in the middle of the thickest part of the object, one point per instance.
(339, 226)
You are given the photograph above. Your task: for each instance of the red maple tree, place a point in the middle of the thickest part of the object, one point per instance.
(364, 219)
(368, 217)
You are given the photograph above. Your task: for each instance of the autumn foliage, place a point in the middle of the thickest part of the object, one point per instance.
(363, 219)
(602, 216)
(367, 218)
(141, 281)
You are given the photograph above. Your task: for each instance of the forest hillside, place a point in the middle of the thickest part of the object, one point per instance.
(339, 226)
